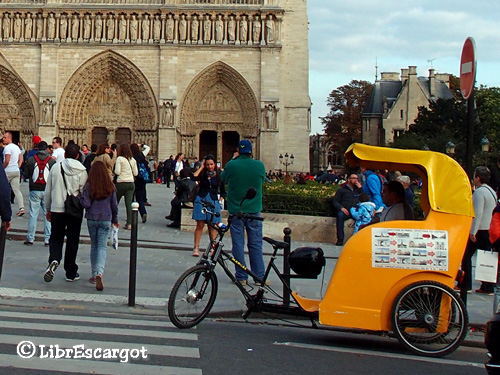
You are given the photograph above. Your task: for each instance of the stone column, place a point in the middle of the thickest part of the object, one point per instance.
(212, 31)
(162, 32)
(80, 20)
(263, 31)
(188, 29)
(176, 29)
(57, 16)
(277, 29)
(237, 36)
(219, 146)
(44, 35)
(92, 25)
(225, 38)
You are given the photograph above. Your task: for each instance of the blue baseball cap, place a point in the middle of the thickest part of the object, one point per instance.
(245, 146)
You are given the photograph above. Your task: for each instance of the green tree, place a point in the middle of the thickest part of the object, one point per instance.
(488, 108)
(343, 123)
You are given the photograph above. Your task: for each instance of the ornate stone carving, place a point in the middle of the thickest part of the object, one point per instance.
(6, 26)
(270, 29)
(270, 113)
(167, 113)
(170, 28)
(51, 26)
(98, 28)
(28, 27)
(244, 29)
(231, 29)
(219, 95)
(39, 26)
(87, 27)
(47, 111)
(182, 28)
(219, 29)
(145, 27)
(134, 24)
(257, 27)
(122, 28)
(108, 91)
(207, 29)
(75, 27)
(110, 27)
(157, 28)
(63, 27)
(195, 26)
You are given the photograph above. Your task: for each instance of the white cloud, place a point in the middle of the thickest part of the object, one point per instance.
(347, 36)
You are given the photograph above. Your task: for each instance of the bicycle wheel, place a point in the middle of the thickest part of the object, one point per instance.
(192, 296)
(429, 318)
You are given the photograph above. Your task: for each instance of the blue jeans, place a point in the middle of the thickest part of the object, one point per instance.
(37, 203)
(254, 235)
(98, 231)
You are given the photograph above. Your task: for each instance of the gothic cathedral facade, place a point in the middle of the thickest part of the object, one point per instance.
(191, 76)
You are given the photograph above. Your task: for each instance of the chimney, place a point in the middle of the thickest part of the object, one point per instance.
(404, 74)
(412, 70)
(432, 83)
(389, 76)
(444, 77)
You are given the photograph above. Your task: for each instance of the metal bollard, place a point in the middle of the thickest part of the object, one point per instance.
(3, 237)
(286, 266)
(133, 255)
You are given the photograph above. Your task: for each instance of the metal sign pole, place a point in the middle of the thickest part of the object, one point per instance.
(133, 255)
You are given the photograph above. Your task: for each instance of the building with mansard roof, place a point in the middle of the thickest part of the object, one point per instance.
(191, 76)
(394, 102)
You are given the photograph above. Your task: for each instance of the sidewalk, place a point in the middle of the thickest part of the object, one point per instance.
(163, 254)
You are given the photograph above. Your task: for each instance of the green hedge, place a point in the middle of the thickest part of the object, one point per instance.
(294, 199)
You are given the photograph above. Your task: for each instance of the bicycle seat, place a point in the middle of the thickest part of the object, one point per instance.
(274, 243)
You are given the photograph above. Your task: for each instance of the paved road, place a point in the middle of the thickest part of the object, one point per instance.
(212, 348)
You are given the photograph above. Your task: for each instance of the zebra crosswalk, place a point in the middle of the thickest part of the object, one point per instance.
(113, 344)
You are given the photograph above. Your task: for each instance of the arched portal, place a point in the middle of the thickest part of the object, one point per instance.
(220, 101)
(17, 112)
(108, 91)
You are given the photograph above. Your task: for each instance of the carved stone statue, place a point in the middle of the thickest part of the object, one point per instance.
(75, 27)
(133, 28)
(219, 29)
(270, 29)
(231, 29)
(87, 24)
(182, 28)
(51, 26)
(63, 27)
(98, 27)
(122, 28)
(145, 27)
(6, 26)
(243, 29)
(170, 28)
(28, 26)
(157, 28)
(47, 111)
(39, 26)
(270, 117)
(207, 28)
(18, 26)
(256, 29)
(110, 27)
(195, 26)
(167, 114)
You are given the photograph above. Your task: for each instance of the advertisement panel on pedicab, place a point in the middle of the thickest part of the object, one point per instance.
(414, 249)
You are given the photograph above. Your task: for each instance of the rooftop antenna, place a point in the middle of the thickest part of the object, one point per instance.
(430, 61)
(376, 69)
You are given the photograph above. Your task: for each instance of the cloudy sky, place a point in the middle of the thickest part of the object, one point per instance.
(347, 36)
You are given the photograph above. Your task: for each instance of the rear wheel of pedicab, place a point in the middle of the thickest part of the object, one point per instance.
(429, 319)
(192, 296)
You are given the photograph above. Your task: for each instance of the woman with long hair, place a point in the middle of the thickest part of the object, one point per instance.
(103, 156)
(101, 210)
(140, 183)
(210, 188)
(125, 171)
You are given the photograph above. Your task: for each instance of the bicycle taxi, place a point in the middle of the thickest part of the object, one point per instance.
(396, 276)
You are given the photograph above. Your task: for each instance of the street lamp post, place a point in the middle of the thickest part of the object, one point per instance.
(286, 160)
(485, 147)
(450, 148)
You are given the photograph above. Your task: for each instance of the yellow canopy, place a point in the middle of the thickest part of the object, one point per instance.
(446, 185)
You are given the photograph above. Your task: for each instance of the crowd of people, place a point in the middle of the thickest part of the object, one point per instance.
(66, 182)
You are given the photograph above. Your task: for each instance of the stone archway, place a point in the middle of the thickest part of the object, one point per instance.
(17, 112)
(220, 100)
(108, 91)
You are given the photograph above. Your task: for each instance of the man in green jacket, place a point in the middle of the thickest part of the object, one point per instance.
(239, 175)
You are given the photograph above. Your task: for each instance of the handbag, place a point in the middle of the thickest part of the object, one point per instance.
(72, 204)
(486, 266)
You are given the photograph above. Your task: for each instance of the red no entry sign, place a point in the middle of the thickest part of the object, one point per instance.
(468, 68)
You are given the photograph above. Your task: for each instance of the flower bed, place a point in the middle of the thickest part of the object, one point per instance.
(311, 198)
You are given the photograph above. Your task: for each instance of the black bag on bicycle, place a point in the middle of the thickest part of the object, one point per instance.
(307, 261)
(72, 204)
